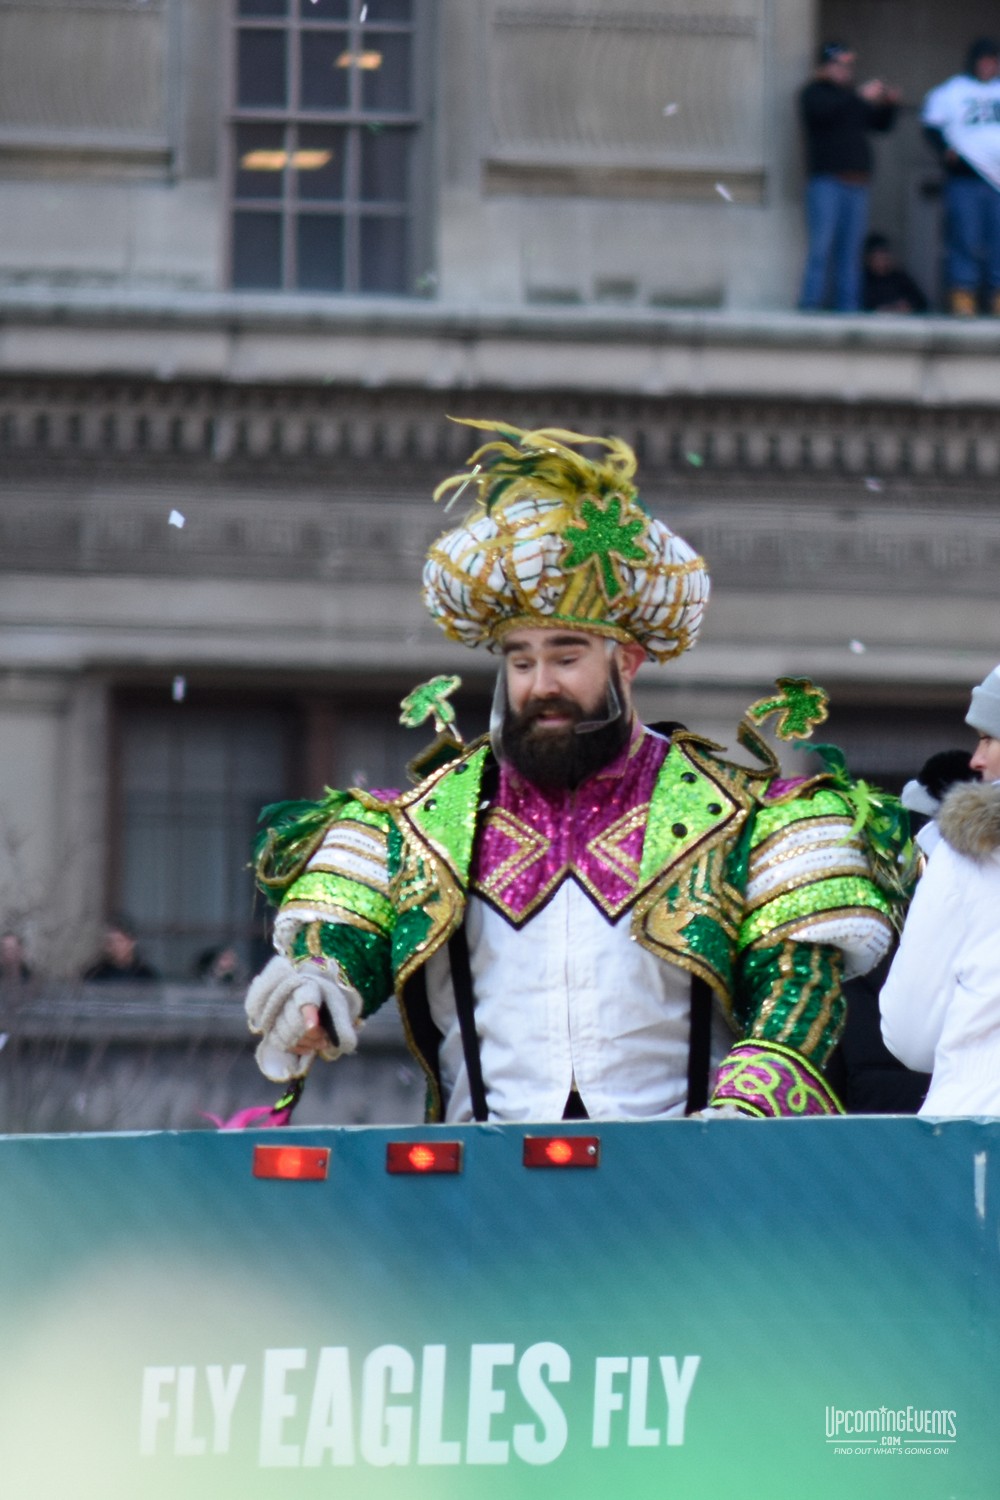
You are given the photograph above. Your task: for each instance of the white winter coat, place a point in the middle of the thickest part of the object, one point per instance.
(941, 1002)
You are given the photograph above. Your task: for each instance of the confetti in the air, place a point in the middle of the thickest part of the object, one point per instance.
(364, 14)
(723, 192)
(873, 484)
(670, 109)
(175, 519)
(694, 459)
(179, 689)
(858, 647)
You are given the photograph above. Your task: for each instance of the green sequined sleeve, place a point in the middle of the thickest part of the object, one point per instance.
(790, 993)
(339, 907)
(808, 882)
(363, 958)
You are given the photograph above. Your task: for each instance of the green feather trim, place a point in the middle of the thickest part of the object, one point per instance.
(290, 833)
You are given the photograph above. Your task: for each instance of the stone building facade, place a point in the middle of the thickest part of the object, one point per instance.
(256, 253)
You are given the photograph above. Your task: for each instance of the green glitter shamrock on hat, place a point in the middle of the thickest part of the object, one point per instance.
(556, 538)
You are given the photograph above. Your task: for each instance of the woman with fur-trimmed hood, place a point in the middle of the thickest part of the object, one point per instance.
(941, 1003)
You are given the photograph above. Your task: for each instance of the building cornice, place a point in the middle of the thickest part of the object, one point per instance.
(385, 343)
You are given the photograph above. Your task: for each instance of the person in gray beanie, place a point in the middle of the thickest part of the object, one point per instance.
(941, 1002)
(984, 717)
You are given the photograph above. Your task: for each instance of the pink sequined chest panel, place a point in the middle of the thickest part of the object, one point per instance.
(530, 840)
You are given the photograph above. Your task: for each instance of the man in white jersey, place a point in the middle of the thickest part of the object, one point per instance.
(961, 120)
(580, 915)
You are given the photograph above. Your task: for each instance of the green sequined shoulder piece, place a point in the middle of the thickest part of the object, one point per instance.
(441, 813)
(291, 832)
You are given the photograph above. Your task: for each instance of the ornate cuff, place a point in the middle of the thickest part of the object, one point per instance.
(769, 1080)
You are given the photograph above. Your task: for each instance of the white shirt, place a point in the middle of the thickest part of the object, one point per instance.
(567, 1000)
(967, 113)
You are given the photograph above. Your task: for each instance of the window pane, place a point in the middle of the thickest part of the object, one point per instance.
(145, 759)
(260, 161)
(325, 73)
(389, 10)
(319, 162)
(263, 7)
(194, 781)
(387, 86)
(326, 10)
(261, 69)
(320, 253)
(256, 250)
(385, 160)
(383, 255)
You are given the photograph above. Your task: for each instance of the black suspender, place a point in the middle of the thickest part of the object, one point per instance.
(465, 1005)
(699, 1044)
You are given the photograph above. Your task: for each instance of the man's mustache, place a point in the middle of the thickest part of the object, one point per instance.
(538, 708)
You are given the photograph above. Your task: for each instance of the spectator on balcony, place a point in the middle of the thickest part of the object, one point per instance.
(838, 118)
(941, 1003)
(962, 122)
(119, 957)
(222, 966)
(887, 287)
(14, 966)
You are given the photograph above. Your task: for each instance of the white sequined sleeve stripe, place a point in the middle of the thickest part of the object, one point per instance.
(356, 851)
(289, 923)
(863, 937)
(801, 853)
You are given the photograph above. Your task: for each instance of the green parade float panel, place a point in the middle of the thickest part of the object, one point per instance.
(764, 1308)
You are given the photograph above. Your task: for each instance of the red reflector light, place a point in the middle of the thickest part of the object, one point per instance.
(292, 1163)
(423, 1156)
(562, 1150)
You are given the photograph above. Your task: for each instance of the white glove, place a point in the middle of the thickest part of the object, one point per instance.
(274, 1005)
(722, 1112)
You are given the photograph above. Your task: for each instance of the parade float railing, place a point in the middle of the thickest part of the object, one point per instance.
(163, 1056)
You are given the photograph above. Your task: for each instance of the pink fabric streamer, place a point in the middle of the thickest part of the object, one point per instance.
(261, 1116)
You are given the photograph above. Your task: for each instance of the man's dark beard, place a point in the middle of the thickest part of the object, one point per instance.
(560, 758)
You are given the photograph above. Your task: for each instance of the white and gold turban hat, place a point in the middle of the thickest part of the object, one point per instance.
(559, 539)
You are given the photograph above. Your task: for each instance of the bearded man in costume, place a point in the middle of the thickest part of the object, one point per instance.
(580, 916)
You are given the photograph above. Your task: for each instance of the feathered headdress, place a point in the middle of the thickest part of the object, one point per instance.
(558, 538)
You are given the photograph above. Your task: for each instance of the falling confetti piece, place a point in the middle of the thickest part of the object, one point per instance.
(670, 109)
(179, 689)
(723, 192)
(694, 459)
(858, 647)
(364, 14)
(873, 484)
(176, 519)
